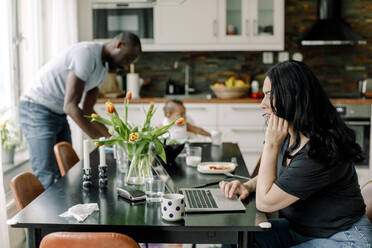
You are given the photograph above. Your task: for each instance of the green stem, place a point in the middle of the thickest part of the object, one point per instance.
(126, 112)
(141, 165)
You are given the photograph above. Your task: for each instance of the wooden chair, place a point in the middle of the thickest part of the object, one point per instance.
(25, 188)
(66, 156)
(87, 239)
(367, 196)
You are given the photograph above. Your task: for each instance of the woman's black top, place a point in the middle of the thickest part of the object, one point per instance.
(330, 199)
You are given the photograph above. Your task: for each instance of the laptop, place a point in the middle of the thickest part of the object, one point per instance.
(199, 199)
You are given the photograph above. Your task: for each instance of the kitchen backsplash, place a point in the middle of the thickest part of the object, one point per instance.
(338, 67)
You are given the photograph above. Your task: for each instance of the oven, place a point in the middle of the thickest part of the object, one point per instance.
(358, 118)
(112, 17)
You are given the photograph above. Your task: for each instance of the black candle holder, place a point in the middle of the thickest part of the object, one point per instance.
(87, 178)
(102, 176)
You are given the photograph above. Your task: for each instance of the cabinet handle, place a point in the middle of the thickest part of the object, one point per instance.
(255, 28)
(237, 130)
(247, 27)
(197, 108)
(121, 5)
(215, 28)
(251, 150)
(361, 123)
(244, 108)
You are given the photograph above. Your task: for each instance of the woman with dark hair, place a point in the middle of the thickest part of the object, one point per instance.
(307, 168)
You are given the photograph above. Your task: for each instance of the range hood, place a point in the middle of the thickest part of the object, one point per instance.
(330, 29)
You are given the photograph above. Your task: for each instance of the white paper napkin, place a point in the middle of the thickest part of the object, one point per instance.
(80, 211)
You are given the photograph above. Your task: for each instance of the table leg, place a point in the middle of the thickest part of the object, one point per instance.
(245, 239)
(33, 237)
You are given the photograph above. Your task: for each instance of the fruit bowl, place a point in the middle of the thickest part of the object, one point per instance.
(230, 92)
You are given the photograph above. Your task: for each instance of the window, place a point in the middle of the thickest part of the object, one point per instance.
(28, 42)
(20, 44)
(6, 54)
(32, 33)
(20, 49)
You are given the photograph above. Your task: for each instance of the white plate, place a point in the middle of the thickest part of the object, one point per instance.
(216, 167)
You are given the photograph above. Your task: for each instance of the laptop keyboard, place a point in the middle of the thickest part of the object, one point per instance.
(200, 198)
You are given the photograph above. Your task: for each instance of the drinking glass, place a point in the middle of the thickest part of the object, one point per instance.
(216, 137)
(193, 156)
(154, 189)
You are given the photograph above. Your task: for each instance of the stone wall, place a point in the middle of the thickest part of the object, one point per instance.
(338, 67)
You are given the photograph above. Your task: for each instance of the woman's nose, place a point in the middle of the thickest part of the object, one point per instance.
(263, 104)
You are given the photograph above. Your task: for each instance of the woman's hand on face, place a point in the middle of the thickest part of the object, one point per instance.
(230, 189)
(276, 131)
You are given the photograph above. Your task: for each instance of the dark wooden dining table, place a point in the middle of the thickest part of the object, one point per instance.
(141, 220)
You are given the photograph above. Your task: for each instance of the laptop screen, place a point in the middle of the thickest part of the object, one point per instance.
(163, 175)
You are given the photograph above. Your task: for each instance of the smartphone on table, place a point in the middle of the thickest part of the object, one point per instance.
(131, 193)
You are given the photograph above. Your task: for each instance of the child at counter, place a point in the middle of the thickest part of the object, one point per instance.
(172, 110)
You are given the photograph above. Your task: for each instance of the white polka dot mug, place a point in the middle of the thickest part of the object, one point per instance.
(173, 207)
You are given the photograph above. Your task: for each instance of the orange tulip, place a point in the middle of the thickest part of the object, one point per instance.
(152, 105)
(133, 137)
(110, 107)
(129, 95)
(180, 122)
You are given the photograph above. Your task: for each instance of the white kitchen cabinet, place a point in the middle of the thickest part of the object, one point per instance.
(203, 115)
(247, 137)
(240, 114)
(243, 124)
(202, 25)
(219, 25)
(252, 22)
(193, 21)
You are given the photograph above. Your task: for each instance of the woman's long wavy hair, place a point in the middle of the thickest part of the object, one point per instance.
(300, 99)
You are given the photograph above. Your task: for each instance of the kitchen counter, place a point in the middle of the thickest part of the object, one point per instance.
(238, 100)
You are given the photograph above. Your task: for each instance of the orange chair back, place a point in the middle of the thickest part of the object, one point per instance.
(25, 188)
(367, 196)
(66, 156)
(87, 239)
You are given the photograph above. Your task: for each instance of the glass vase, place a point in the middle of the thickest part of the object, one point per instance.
(139, 169)
(121, 154)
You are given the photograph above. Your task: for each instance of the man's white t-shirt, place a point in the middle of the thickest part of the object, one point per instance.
(84, 59)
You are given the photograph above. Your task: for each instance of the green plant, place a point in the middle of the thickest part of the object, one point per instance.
(9, 133)
(137, 139)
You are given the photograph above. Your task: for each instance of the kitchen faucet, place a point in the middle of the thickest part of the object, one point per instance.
(187, 76)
